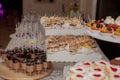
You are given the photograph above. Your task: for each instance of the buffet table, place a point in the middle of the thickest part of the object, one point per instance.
(87, 49)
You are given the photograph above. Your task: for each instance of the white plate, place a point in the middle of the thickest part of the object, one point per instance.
(106, 34)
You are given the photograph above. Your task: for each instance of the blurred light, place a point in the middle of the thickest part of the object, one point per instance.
(0, 5)
(1, 11)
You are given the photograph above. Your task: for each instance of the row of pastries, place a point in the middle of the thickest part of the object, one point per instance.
(50, 22)
(97, 70)
(70, 43)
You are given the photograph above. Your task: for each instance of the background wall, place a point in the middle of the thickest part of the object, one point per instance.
(86, 7)
(45, 7)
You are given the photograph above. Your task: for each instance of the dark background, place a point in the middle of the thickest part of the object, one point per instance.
(107, 8)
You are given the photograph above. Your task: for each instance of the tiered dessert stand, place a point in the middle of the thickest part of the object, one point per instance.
(28, 34)
(67, 29)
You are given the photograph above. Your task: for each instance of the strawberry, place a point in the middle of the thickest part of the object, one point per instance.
(97, 75)
(117, 76)
(114, 27)
(79, 76)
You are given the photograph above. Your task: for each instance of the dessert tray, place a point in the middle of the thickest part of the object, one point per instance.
(8, 74)
(106, 30)
(58, 48)
(54, 25)
(103, 36)
(24, 63)
(97, 70)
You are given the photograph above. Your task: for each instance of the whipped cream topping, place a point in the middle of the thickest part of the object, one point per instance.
(117, 21)
(77, 69)
(109, 20)
(79, 77)
(118, 58)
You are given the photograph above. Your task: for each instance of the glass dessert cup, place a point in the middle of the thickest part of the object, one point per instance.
(16, 65)
(45, 66)
(39, 68)
(30, 68)
(3, 55)
(23, 65)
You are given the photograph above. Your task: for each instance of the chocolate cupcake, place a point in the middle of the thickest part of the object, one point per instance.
(115, 61)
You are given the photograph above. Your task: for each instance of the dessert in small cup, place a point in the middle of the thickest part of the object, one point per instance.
(23, 65)
(30, 67)
(10, 62)
(26, 60)
(16, 65)
(45, 65)
(39, 66)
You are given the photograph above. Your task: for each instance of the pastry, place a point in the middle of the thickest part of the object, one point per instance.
(114, 77)
(97, 69)
(109, 20)
(117, 21)
(74, 70)
(78, 77)
(115, 61)
(70, 43)
(111, 69)
(97, 76)
(101, 63)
